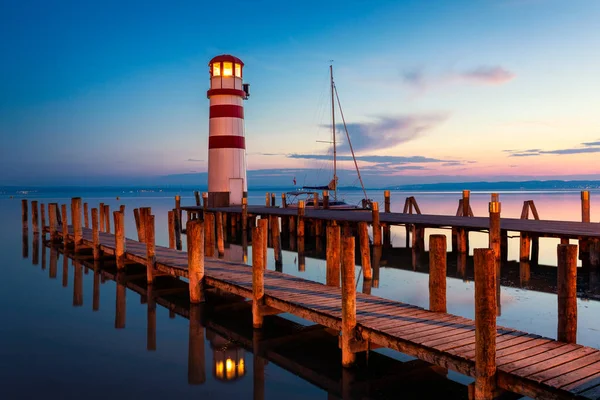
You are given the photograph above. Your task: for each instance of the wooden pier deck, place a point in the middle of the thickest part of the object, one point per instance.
(527, 364)
(540, 228)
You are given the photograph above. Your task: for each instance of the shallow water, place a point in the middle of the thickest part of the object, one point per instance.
(54, 349)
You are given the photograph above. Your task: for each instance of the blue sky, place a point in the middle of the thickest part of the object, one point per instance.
(443, 90)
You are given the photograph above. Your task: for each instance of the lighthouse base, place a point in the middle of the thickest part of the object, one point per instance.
(218, 199)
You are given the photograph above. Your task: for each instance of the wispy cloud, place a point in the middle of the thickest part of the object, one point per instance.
(589, 147)
(194, 160)
(480, 75)
(388, 132)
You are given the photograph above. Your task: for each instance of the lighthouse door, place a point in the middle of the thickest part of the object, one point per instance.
(236, 191)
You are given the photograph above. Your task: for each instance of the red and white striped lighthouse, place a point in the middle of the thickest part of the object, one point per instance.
(226, 143)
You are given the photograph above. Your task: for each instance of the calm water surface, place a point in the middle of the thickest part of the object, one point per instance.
(53, 349)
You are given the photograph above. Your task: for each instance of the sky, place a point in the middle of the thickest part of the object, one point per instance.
(431, 91)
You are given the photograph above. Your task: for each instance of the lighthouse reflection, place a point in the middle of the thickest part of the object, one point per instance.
(228, 358)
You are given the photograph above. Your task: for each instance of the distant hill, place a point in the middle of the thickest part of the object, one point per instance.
(502, 186)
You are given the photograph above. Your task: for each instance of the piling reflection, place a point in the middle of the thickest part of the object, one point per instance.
(65, 271)
(77, 284)
(196, 357)
(35, 257)
(96, 288)
(53, 262)
(121, 302)
(25, 244)
(151, 320)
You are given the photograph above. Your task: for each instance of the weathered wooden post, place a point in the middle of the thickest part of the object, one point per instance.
(333, 256)
(300, 223)
(86, 218)
(273, 200)
(58, 217)
(197, 197)
(177, 227)
(437, 273)
(585, 206)
(387, 233)
(567, 293)
(76, 220)
(584, 244)
(43, 218)
(65, 225)
(101, 217)
(24, 217)
(119, 219)
(376, 224)
(204, 201)
(95, 234)
(325, 199)
(348, 300)
(268, 199)
(171, 227)
(195, 245)
(53, 222)
(494, 233)
(244, 214)
(209, 234)
(276, 242)
(150, 248)
(485, 324)
(34, 217)
(466, 200)
(258, 270)
(137, 216)
(283, 201)
(365, 250)
(316, 200)
(107, 218)
(178, 208)
(220, 239)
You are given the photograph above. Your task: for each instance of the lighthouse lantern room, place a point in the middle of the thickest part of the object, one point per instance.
(227, 183)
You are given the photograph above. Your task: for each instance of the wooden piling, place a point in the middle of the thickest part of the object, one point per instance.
(376, 224)
(220, 239)
(585, 206)
(197, 197)
(333, 256)
(65, 225)
(178, 208)
(150, 248)
(365, 250)
(348, 300)
(209, 234)
(258, 269)
(276, 241)
(466, 206)
(24, 218)
(86, 218)
(268, 199)
(462, 238)
(494, 233)
(177, 228)
(53, 223)
(273, 200)
(485, 324)
(567, 293)
(300, 224)
(283, 201)
(58, 217)
(437, 273)
(171, 228)
(119, 219)
(76, 222)
(95, 234)
(195, 246)
(138, 224)
(386, 201)
(101, 216)
(35, 217)
(244, 214)
(204, 201)
(316, 200)
(325, 199)
(43, 218)
(106, 218)
(524, 247)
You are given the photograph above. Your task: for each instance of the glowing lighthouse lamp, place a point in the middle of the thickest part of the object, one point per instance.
(227, 183)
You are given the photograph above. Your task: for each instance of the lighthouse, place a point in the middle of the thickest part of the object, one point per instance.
(227, 183)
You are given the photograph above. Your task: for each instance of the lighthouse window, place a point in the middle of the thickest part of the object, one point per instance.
(216, 69)
(238, 70)
(227, 69)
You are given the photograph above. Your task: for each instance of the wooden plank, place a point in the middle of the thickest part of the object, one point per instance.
(553, 361)
(589, 376)
(567, 367)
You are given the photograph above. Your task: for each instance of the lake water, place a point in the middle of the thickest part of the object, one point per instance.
(54, 349)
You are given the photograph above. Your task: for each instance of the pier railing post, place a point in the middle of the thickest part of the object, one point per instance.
(485, 323)
(95, 234)
(567, 293)
(365, 250)
(86, 218)
(65, 225)
(171, 227)
(150, 248)
(76, 220)
(376, 224)
(333, 256)
(437, 273)
(119, 219)
(35, 220)
(348, 300)
(195, 248)
(258, 270)
(220, 239)
(24, 217)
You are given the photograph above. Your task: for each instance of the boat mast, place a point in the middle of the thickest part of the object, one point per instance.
(333, 133)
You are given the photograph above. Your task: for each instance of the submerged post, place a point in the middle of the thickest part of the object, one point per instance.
(258, 270)
(348, 300)
(567, 293)
(333, 256)
(376, 225)
(95, 234)
(437, 273)
(24, 218)
(195, 245)
(485, 323)
(365, 250)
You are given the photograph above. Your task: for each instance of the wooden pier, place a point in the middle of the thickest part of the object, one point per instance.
(499, 358)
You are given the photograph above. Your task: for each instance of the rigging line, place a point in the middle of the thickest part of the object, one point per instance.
(349, 142)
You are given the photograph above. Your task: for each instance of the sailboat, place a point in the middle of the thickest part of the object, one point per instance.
(306, 193)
